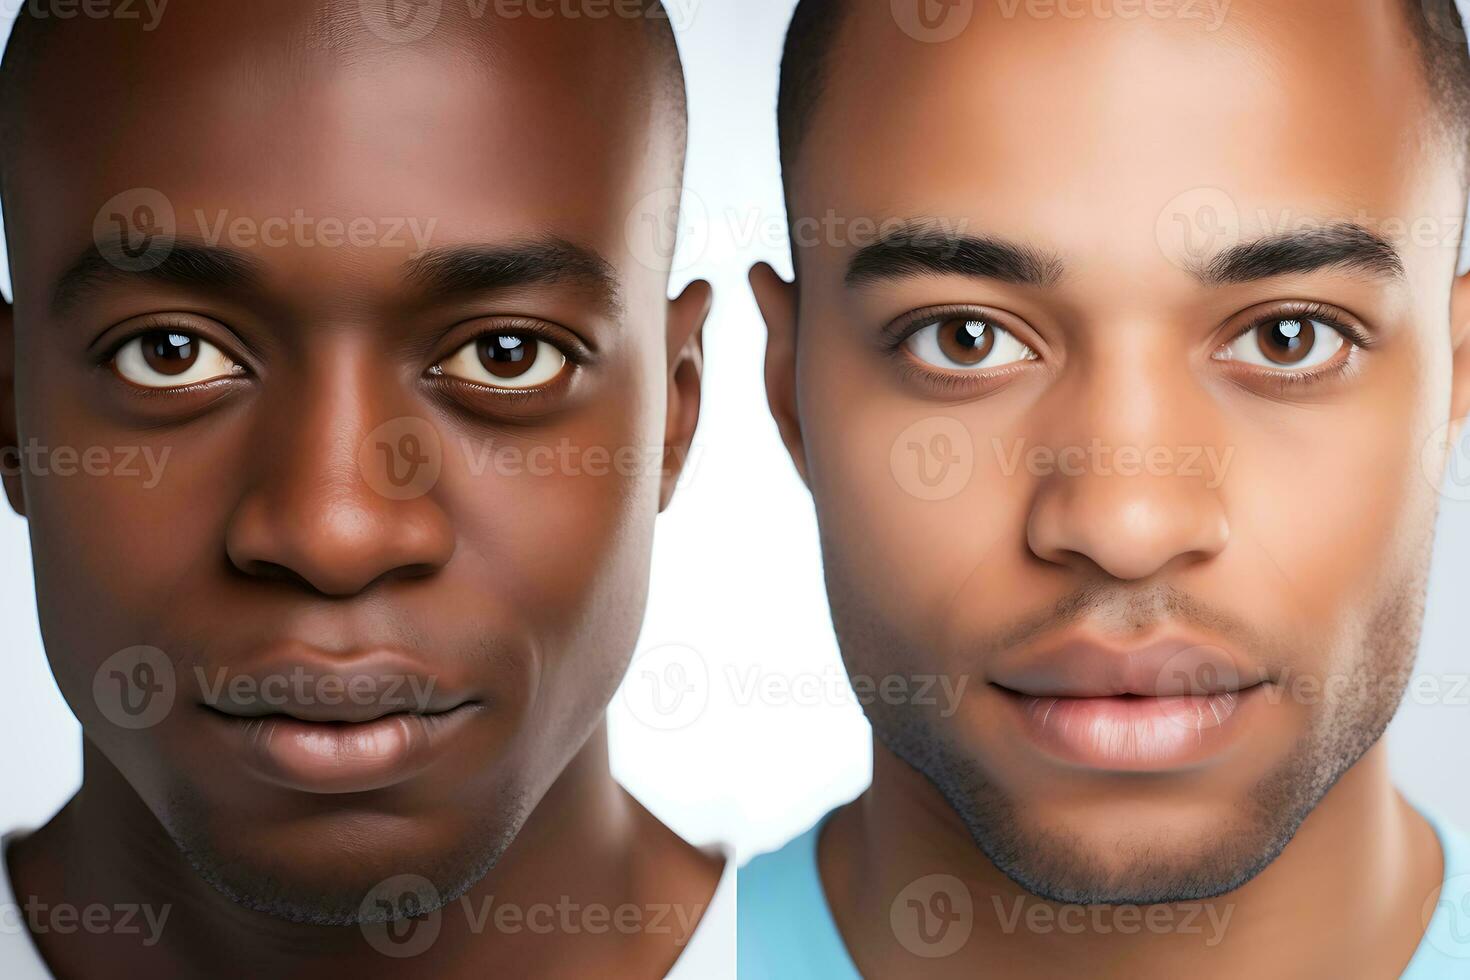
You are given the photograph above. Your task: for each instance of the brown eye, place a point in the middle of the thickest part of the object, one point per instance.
(169, 353)
(960, 343)
(506, 360)
(171, 359)
(1286, 343)
(966, 341)
(507, 355)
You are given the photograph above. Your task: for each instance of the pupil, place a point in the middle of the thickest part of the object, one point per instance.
(507, 355)
(971, 332)
(170, 353)
(174, 345)
(966, 342)
(1289, 332)
(504, 347)
(1288, 341)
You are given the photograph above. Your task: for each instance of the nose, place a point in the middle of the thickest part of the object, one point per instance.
(312, 513)
(1135, 488)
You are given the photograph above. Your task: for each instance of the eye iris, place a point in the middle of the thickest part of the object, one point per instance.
(1288, 341)
(169, 353)
(966, 341)
(507, 355)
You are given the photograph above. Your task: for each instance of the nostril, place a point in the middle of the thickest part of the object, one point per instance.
(273, 572)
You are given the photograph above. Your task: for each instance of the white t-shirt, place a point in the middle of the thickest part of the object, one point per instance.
(708, 955)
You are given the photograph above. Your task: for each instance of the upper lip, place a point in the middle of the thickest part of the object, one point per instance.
(312, 685)
(1086, 667)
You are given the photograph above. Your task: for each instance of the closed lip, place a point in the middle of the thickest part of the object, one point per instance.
(321, 722)
(1088, 667)
(308, 684)
(317, 758)
(1171, 703)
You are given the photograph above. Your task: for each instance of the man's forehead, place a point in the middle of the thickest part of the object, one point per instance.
(406, 137)
(218, 68)
(1025, 127)
(283, 84)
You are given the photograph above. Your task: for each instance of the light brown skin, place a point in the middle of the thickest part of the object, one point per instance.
(525, 591)
(1073, 136)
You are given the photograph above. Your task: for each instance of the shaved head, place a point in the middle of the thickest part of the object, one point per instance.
(43, 49)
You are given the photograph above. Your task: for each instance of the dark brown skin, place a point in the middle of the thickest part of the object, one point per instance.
(1072, 136)
(520, 595)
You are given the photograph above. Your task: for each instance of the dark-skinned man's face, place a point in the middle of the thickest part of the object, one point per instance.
(1162, 495)
(409, 381)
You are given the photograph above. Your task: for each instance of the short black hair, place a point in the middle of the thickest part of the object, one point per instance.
(812, 38)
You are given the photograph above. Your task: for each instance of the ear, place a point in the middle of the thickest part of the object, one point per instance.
(777, 300)
(1460, 356)
(687, 315)
(9, 436)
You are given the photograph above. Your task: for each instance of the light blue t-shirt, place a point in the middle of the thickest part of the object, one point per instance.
(786, 929)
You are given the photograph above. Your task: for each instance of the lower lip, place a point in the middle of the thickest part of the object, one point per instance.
(317, 757)
(1134, 734)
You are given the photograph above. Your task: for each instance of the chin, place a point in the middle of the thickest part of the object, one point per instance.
(1119, 839)
(347, 868)
(1102, 858)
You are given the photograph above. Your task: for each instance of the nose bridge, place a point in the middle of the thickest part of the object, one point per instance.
(308, 444)
(1138, 465)
(339, 496)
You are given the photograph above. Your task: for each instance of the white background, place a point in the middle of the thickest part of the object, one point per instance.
(737, 603)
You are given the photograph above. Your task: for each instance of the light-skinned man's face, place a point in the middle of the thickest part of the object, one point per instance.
(1124, 419)
(409, 382)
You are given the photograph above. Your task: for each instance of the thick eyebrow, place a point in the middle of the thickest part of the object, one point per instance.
(176, 262)
(918, 252)
(1345, 245)
(462, 269)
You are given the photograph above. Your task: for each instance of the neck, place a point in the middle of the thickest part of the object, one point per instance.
(1363, 845)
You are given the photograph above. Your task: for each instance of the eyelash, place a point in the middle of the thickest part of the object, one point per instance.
(575, 354)
(159, 324)
(897, 334)
(1331, 316)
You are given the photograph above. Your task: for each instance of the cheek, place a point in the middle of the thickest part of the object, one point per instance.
(1335, 513)
(560, 528)
(916, 508)
(113, 552)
